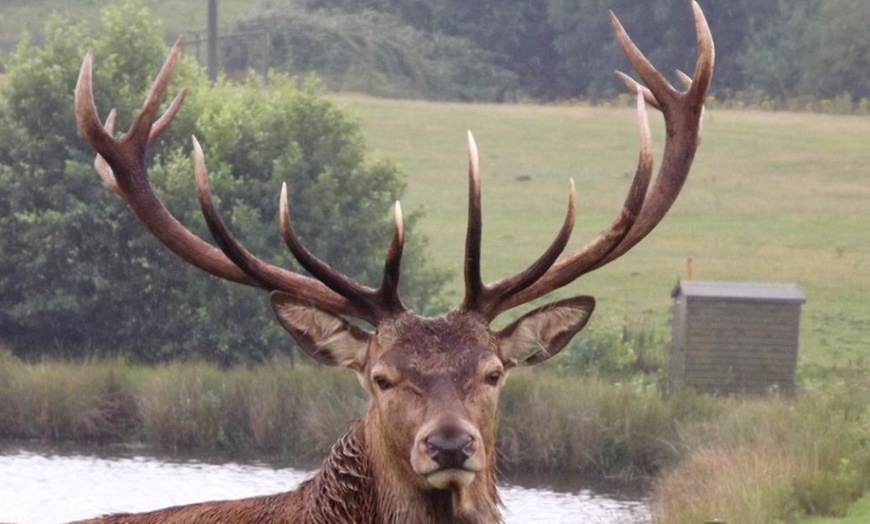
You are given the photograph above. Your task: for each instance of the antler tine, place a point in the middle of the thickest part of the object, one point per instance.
(684, 78)
(473, 281)
(87, 119)
(120, 162)
(124, 164)
(493, 296)
(143, 126)
(664, 92)
(643, 209)
(389, 290)
(487, 299)
(703, 74)
(370, 304)
(100, 164)
(568, 268)
(161, 124)
(634, 87)
(268, 276)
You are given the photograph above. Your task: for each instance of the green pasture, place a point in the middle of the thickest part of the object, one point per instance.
(772, 197)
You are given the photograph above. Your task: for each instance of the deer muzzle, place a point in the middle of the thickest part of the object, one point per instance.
(448, 455)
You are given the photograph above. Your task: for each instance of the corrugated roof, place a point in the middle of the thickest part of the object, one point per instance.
(767, 291)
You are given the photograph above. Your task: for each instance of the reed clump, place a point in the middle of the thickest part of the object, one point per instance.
(59, 401)
(586, 425)
(278, 409)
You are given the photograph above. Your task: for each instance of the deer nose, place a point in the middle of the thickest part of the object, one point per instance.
(450, 451)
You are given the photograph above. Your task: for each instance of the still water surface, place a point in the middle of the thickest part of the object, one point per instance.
(48, 486)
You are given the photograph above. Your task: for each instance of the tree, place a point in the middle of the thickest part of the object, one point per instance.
(775, 56)
(589, 52)
(517, 34)
(838, 50)
(367, 51)
(78, 274)
(57, 275)
(811, 48)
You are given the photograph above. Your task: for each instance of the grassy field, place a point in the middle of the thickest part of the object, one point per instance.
(772, 197)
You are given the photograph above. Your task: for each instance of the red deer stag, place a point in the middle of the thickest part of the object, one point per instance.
(424, 451)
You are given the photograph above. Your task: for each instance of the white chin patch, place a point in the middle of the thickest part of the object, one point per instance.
(450, 478)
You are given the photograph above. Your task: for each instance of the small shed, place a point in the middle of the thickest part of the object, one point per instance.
(735, 337)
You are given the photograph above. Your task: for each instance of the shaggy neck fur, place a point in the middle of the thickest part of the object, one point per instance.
(348, 489)
(353, 488)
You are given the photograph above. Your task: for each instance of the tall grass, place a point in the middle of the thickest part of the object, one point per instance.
(771, 460)
(741, 460)
(278, 409)
(53, 401)
(585, 425)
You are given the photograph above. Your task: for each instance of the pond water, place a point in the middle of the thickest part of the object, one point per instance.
(41, 485)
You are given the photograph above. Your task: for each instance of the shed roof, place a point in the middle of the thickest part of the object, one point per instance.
(752, 291)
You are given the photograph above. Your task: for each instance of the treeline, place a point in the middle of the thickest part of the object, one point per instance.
(79, 276)
(554, 49)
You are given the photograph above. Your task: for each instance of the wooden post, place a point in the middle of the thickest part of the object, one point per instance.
(212, 64)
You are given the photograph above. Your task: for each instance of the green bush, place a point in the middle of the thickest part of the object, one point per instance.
(367, 52)
(610, 346)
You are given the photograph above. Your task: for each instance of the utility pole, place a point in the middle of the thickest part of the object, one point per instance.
(212, 59)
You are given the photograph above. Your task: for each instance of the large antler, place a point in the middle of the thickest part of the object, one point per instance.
(643, 208)
(121, 164)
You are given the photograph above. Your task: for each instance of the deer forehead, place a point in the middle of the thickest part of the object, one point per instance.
(420, 348)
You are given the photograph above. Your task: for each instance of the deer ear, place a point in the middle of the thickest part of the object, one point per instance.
(327, 338)
(543, 332)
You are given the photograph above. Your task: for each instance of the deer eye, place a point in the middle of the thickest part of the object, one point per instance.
(493, 378)
(382, 382)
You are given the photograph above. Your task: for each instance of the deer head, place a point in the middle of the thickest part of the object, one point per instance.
(434, 382)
